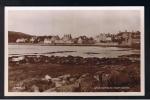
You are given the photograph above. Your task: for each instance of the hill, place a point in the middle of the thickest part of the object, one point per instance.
(13, 36)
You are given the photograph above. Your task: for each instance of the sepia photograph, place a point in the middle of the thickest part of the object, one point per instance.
(74, 51)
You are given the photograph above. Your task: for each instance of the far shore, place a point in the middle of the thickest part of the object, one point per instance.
(100, 45)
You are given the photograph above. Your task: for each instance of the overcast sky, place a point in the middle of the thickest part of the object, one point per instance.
(76, 22)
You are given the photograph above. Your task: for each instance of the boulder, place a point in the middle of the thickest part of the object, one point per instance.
(34, 88)
(68, 88)
(58, 84)
(65, 77)
(105, 79)
(84, 75)
(56, 79)
(47, 77)
(72, 79)
(119, 78)
(18, 58)
(98, 75)
(86, 83)
(40, 83)
(18, 89)
(51, 90)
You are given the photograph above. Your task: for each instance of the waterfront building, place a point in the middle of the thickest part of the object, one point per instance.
(67, 37)
(47, 41)
(32, 39)
(124, 38)
(51, 40)
(136, 38)
(129, 38)
(100, 38)
(60, 41)
(103, 38)
(54, 38)
(21, 40)
(82, 40)
(85, 40)
(108, 39)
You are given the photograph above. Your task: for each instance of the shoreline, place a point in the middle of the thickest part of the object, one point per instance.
(77, 60)
(97, 45)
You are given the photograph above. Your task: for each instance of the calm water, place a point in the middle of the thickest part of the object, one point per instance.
(84, 51)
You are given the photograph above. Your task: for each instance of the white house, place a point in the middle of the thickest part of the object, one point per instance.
(47, 41)
(59, 41)
(80, 40)
(108, 39)
(53, 39)
(101, 37)
(32, 39)
(21, 40)
(69, 41)
(67, 37)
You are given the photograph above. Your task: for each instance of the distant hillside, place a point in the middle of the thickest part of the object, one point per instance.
(13, 36)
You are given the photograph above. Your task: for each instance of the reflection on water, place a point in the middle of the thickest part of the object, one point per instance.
(83, 51)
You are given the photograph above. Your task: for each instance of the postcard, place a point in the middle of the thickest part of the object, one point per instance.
(74, 51)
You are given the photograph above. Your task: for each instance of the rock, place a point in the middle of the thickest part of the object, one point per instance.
(18, 89)
(61, 83)
(70, 60)
(85, 75)
(51, 90)
(36, 60)
(106, 79)
(47, 77)
(134, 76)
(56, 79)
(34, 88)
(86, 83)
(114, 77)
(68, 88)
(18, 58)
(40, 83)
(117, 78)
(72, 80)
(98, 75)
(58, 84)
(65, 77)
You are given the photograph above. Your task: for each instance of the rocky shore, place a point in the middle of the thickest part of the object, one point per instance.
(72, 60)
(34, 73)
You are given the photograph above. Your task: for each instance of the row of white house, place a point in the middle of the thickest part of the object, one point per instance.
(68, 39)
(122, 38)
